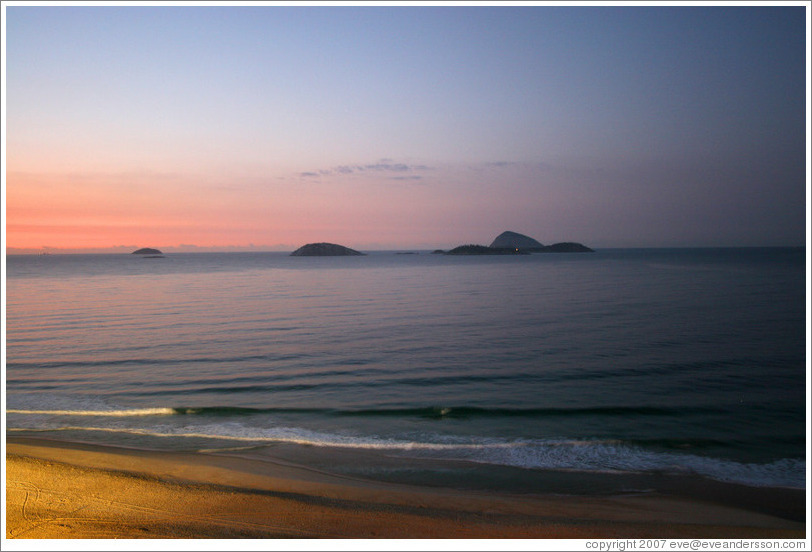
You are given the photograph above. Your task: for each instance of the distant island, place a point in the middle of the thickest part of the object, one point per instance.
(484, 250)
(514, 240)
(324, 250)
(147, 251)
(513, 243)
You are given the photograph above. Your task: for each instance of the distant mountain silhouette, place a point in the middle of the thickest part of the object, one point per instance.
(147, 251)
(515, 240)
(324, 250)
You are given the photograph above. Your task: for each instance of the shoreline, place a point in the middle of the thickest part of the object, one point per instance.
(69, 490)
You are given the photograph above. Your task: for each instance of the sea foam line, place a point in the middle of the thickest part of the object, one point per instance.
(601, 456)
(289, 438)
(133, 412)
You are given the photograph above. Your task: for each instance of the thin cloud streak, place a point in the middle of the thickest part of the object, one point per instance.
(384, 166)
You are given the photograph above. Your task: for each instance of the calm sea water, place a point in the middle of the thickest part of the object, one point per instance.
(413, 367)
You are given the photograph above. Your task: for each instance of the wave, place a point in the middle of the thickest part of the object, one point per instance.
(114, 413)
(296, 436)
(577, 455)
(217, 427)
(452, 412)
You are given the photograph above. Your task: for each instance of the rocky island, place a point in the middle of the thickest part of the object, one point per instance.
(324, 250)
(147, 251)
(514, 240)
(484, 250)
(513, 243)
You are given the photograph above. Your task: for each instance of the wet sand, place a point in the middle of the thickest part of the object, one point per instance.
(73, 491)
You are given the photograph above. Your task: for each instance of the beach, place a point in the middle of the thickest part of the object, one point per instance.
(78, 491)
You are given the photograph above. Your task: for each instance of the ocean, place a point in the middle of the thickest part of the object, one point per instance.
(538, 373)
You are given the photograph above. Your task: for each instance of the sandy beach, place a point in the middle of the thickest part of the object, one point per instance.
(64, 490)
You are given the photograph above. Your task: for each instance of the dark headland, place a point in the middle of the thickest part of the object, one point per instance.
(147, 251)
(513, 243)
(324, 250)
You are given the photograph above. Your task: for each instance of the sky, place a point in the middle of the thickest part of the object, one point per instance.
(397, 127)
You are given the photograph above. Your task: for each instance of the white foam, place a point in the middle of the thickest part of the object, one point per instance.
(616, 457)
(298, 436)
(114, 413)
(605, 456)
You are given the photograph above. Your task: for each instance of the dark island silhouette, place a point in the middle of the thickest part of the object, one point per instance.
(485, 250)
(513, 243)
(514, 240)
(147, 251)
(324, 250)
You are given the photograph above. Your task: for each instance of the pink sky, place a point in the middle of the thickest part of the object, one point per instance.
(403, 128)
(367, 209)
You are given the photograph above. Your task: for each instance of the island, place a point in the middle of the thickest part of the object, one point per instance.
(513, 243)
(324, 250)
(485, 250)
(147, 251)
(514, 240)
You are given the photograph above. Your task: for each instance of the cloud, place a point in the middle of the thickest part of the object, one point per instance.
(382, 166)
(397, 167)
(412, 177)
(518, 164)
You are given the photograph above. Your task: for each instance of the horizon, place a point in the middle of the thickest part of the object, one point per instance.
(216, 128)
(128, 250)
